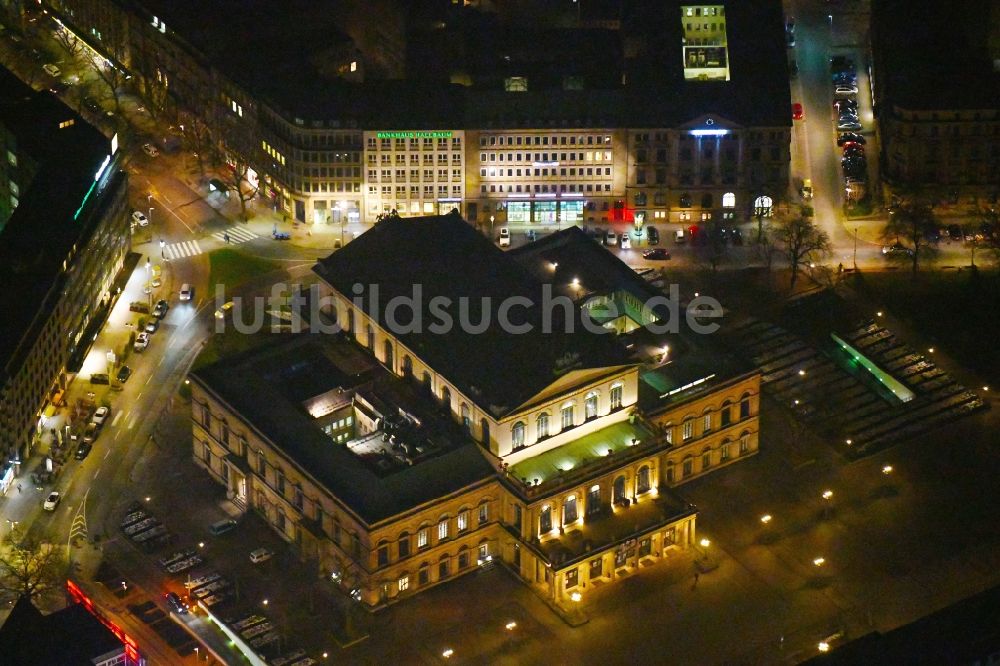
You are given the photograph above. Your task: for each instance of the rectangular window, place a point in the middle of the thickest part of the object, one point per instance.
(569, 510)
(463, 559)
(616, 397)
(724, 452)
(463, 521)
(744, 444)
(545, 520)
(383, 556)
(442, 569)
(404, 583)
(688, 429)
(422, 538)
(567, 417)
(424, 576)
(706, 423)
(484, 513)
(596, 568)
(745, 408)
(572, 577)
(403, 546)
(442, 530)
(726, 417)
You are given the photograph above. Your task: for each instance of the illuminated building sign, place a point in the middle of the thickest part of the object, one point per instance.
(133, 657)
(413, 135)
(709, 132)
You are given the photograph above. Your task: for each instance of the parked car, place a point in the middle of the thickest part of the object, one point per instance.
(260, 555)
(186, 292)
(51, 70)
(91, 105)
(610, 238)
(896, 249)
(652, 236)
(504, 237)
(101, 415)
(139, 218)
(807, 190)
(141, 341)
(626, 241)
(83, 450)
(58, 88)
(152, 325)
(150, 150)
(160, 309)
(848, 124)
(656, 254)
(737, 235)
(854, 151)
(797, 112)
(175, 603)
(851, 137)
(51, 502)
(124, 373)
(679, 237)
(531, 235)
(844, 90)
(222, 526)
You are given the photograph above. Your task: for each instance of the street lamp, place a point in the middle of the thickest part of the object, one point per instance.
(492, 220)
(819, 561)
(827, 496)
(447, 653)
(576, 597)
(766, 518)
(887, 469)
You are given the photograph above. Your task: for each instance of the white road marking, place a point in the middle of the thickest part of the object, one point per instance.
(96, 473)
(236, 235)
(107, 454)
(148, 378)
(131, 422)
(114, 421)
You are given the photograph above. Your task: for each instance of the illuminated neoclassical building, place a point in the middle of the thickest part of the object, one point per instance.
(409, 449)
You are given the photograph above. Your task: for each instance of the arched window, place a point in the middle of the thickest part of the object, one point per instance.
(642, 480)
(403, 544)
(618, 490)
(729, 200)
(724, 451)
(670, 471)
(388, 353)
(350, 321)
(726, 413)
(744, 442)
(545, 520)
(616, 395)
(590, 406)
(427, 381)
(567, 416)
(466, 418)
(407, 366)
(706, 458)
(593, 500)
(484, 425)
(543, 425)
(745, 406)
(517, 435)
(762, 206)
(707, 200)
(569, 510)
(371, 337)
(688, 467)
(446, 397)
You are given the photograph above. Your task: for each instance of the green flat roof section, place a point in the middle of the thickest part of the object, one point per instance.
(895, 386)
(589, 447)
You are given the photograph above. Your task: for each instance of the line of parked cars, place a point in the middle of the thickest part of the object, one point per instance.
(852, 144)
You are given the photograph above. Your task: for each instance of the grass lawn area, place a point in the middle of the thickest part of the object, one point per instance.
(958, 311)
(232, 268)
(232, 342)
(588, 447)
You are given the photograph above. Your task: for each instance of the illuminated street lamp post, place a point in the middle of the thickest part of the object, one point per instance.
(492, 234)
(827, 496)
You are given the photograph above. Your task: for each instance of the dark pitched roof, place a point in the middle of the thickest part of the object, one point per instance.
(445, 258)
(69, 637)
(51, 208)
(268, 386)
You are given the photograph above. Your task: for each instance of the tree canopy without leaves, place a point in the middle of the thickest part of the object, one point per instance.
(29, 566)
(801, 241)
(910, 225)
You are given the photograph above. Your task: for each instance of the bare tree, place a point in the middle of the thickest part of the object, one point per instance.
(236, 170)
(28, 566)
(766, 251)
(802, 242)
(909, 226)
(112, 77)
(68, 41)
(198, 140)
(712, 249)
(986, 232)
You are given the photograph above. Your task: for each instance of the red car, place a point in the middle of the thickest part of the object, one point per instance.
(796, 111)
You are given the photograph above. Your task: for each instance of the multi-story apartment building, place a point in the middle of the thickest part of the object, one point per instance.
(414, 172)
(938, 118)
(689, 104)
(410, 450)
(60, 252)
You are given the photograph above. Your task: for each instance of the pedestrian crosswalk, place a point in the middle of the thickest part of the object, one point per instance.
(235, 235)
(181, 250)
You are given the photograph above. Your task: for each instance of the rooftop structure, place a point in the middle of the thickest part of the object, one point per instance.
(373, 441)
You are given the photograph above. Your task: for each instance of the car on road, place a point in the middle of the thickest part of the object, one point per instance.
(90, 433)
(807, 190)
(139, 218)
(186, 292)
(91, 105)
(850, 137)
(845, 105)
(854, 150)
(656, 254)
(124, 373)
(844, 90)
(58, 88)
(83, 450)
(222, 526)
(652, 236)
(150, 150)
(160, 309)
(504, 239)
(51, 70)
(850, 123)
(610, 239)
(152, 325)
(797, 112)
(175, 603)
(896, 249)
(260, 555)
(51, 502)
(141, 341)
(281, 235)
(854, 167)
(626, 241)
(100, 416)
(679, 238)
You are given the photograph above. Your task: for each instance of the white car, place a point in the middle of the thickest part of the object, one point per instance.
(845, 90)
(504, 237)
(51, 502)
(100, 416)
(260, 555)
(51, 70)
(141, 341)
(626, 242)
(611, 238)
(185, 294)
(139, 218)
(150, 149)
